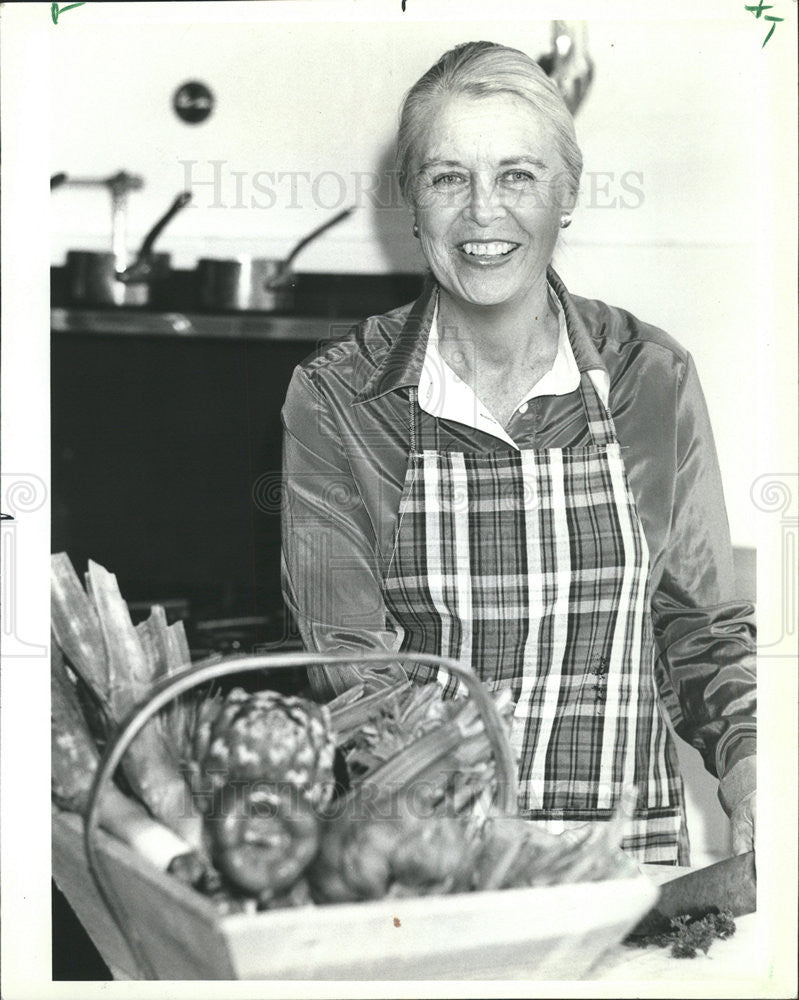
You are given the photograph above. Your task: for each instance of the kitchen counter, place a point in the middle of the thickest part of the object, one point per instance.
(237, 326)
(735, 967)
(324, 306)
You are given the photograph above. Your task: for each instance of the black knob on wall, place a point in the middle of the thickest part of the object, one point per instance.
(193, 102)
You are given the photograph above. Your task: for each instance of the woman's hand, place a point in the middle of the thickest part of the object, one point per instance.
(743, 821)
(738, 797)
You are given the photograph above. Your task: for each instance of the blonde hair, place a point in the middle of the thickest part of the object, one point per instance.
(480, 69)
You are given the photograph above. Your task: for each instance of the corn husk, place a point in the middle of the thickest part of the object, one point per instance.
(76, 628)
(120, 669)
(167, 650)
(74, 762)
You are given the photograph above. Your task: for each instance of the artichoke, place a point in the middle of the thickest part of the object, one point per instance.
(262, 838)
(268, 738)
(383, 847)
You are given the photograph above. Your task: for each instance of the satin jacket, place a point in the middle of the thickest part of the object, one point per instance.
(346, 434)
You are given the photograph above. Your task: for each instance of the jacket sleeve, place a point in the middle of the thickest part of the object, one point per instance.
(705, 635)
(329, 564)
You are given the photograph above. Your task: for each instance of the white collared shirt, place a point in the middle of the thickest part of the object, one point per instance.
(444, 394)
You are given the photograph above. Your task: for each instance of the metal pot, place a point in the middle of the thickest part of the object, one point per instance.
(95, 278)
(260, 284)
(243, 283)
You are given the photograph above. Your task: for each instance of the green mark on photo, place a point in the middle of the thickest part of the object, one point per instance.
(55, 11)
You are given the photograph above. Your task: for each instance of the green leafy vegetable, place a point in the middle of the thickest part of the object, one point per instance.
(689, 935)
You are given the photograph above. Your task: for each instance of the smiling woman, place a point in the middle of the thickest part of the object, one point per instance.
(489, 201)
(489, 221)
(525, 480)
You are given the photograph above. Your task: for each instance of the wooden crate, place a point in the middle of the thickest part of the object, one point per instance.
(555, 932)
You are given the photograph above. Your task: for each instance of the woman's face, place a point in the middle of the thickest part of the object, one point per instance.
(490, 189)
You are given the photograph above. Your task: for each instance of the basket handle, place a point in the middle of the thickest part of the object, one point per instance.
(213, 668)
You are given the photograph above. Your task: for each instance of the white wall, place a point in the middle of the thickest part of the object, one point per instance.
(667, 108)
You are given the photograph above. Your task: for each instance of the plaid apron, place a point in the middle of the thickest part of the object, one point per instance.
(533, 567)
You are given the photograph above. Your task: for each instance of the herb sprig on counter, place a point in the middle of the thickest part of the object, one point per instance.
(688, 934)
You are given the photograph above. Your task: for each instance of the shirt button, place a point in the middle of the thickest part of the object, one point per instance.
(523, 408)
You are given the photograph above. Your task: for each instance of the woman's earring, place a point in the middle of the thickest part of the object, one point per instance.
(416, 230)
(565, 221)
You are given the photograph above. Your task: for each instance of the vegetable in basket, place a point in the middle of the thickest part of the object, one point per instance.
(74, 761)
(391, 844)
(517, 853)
(263, 766)
(414, 734)
(383, 846)
(268, 737)
(96, 634)
(263, 837)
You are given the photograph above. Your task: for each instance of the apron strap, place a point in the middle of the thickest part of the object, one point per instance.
(424, 429)
(412, 408)
(601, 428)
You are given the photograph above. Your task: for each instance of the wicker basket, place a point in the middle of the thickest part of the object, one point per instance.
(147, 925)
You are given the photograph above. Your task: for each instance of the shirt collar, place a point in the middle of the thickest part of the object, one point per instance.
(563, 376)
(444, 395)
(402, 365)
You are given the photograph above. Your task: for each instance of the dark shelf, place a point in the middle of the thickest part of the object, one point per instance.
(320, 295)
